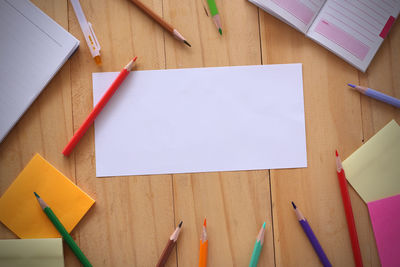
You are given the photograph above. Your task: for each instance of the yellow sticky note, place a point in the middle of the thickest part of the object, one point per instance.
(20, 211)
(32, 252)
(374, 169)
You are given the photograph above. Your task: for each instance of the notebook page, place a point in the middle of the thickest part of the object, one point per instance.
(354, 30)
(297, 13)
(32, 49)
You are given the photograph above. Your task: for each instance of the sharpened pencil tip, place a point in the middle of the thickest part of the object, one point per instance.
(205, 10)
(337, 154)
(134, 59)
(36, 195)
(351, 85)
(294, 205)
(263, 225)
(220, 31)
(205, 222)
(186, 42)
(180, 224)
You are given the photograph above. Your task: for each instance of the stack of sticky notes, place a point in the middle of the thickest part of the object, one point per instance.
(32, 252)
(20, 211)
(374, 172)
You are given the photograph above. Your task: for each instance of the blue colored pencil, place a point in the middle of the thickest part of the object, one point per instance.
(311, 236)
(377, 95)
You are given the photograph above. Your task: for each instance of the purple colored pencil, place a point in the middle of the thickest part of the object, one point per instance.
(377, 95)
(311, 236)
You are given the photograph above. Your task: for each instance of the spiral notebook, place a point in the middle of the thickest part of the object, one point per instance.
(353, 31)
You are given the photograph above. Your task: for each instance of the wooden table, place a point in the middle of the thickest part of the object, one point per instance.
(134, 216)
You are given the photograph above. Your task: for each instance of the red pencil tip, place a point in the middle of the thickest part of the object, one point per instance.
(337, 154)
(205, 222)
(134, 59)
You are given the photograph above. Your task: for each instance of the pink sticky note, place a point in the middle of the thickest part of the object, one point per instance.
(342, 38)
(297, 9)
(385, 218)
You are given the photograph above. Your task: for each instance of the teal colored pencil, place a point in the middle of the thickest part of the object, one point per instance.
(257, 247)
(215, 14)
(64, 233)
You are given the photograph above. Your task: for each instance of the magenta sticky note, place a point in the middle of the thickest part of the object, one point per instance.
(385, 218)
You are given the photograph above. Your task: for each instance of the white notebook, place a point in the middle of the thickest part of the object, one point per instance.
(201, 120)
(33, 47)
(353, 30)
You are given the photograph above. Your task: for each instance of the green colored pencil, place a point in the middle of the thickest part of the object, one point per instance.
(257, 247)
(64, 233)
(215, 14)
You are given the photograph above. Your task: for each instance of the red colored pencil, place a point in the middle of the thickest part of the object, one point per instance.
(349, 212)
(99, 106)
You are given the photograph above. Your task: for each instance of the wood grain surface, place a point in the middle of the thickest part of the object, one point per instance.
(134, 216)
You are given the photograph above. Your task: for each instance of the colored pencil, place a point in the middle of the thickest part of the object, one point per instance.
(204, 7)
(203, 246)
(215, 14)
(168, 27)
(257, 247)
(349, 212)
(64, 233)
(169, 247)
(311, 236)
(376, 95)
(99, 106)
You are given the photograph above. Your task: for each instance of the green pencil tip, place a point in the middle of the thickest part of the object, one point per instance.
(220, 31)
(263, 225)
(36, 195)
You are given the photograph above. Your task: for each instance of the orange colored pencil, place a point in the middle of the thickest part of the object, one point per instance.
(203, 246)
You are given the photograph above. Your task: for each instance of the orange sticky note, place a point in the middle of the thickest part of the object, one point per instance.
(20, 211)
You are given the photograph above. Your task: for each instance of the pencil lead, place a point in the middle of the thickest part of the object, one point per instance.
(294, 205)
(337, 154)
(134, 59)
(263, 225)
(180, 224)
(351, 85)
(205, 222)
(36, 195)
(186, 42)
(220, 31)
(205, 10)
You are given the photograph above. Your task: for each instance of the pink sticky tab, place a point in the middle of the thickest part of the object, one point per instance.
(342, 38)
(385, 218)
(297, 9)
(387, 27)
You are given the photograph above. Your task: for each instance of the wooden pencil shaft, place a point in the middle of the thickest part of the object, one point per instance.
(64, 233)
(165, 254)
(154, 16)
(203, 253)
(67, 238)
(260, 236)
(204, 234)
(349, 213)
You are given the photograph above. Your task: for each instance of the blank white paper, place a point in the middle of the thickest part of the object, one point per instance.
(201, 120)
